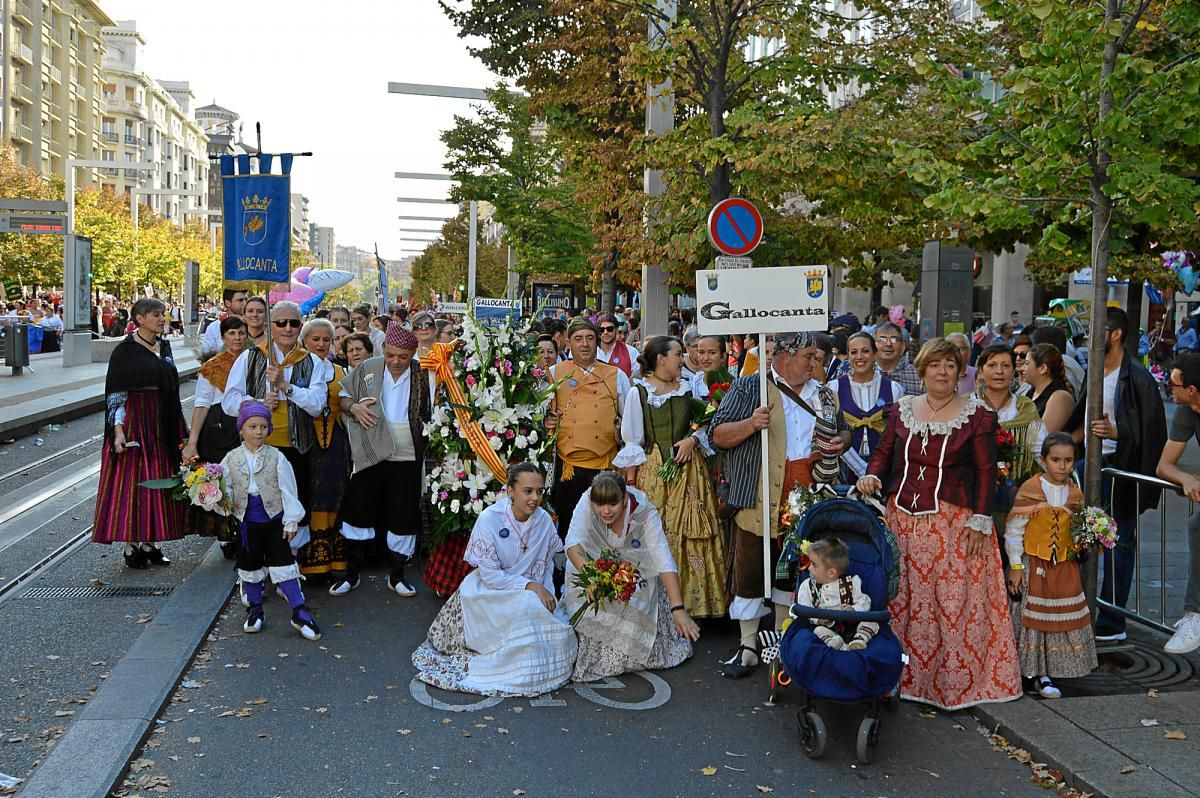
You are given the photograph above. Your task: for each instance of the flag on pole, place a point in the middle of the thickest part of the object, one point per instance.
(384, 300)
(257, 214)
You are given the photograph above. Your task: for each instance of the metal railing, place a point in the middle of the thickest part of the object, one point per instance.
(1138, 587)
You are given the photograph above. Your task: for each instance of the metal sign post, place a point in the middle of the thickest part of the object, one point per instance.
(761, 301)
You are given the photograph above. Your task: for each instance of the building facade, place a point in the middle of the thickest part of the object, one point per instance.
(149, 121)
(299, 221)
(50, 83)
(323, 244)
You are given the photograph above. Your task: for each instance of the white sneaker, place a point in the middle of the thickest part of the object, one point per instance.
(1187, 635)
(1046, 688)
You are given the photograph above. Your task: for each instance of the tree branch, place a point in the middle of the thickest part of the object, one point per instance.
(1167, 68)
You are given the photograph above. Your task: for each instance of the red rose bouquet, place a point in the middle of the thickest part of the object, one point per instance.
(606, 578)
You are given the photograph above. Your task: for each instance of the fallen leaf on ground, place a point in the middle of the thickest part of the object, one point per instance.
(446, 721)
(193, 740)
(145, 618)
(242, 665)
(501, 730)
(141, 764)
(283, 655)
(709, 771)
(64, 713)
(338, 625)
(518, 792)
(20, 738)
(1022, 756)
(405, 732)
(466, 734)
(97, 582)
(22, 718)
(262, 735)
(762, 788)
(1152, 693)
(736, 770)
(518, 710)
(173, 758)
(927, 713)
(322, 710)
(1128, 768)
(244, 712)
(731, 753)
(930, 772)
(190, 684)
(53, 657)
(1149, 722)
(1175, 734)
(256, 702)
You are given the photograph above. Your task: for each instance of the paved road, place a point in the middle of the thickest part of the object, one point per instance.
(343, 717)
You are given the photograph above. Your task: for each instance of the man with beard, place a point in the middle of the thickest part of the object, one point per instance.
(1133, 433)
(614, 352)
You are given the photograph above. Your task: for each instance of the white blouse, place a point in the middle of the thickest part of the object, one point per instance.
(633, 424)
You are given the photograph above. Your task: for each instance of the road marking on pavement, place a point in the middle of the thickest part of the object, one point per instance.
(661, 695)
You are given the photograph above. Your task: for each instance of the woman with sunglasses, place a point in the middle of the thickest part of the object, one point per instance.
(293, 384)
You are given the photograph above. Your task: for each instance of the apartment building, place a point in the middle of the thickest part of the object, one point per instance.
(150, 121)
(300, 223)
(50, 99)
(323, 244)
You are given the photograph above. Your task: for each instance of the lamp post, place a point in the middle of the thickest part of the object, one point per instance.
(473, 236)
(455, 93)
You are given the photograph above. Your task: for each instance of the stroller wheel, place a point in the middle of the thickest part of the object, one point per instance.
(812, 733)
(868, 738)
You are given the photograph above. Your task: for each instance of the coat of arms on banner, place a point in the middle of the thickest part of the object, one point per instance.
(815, 282)
(712, 282)
(254, 219)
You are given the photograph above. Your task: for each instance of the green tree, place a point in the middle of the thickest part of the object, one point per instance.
(1092, 147)
(31, 259)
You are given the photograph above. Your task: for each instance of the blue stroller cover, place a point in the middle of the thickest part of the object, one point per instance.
(844, 675)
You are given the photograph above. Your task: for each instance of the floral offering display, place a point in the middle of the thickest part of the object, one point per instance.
(1006, 447)
(498, 372)
(606, 578)
(201, 484)
(1092, 528)
(793, 556)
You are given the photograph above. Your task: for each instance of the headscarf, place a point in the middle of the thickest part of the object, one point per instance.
(788, 343)
(399, 336)
(253, 408)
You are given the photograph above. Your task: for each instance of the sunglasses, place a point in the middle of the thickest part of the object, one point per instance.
(425, 325)
(608, 328)
(281, 323)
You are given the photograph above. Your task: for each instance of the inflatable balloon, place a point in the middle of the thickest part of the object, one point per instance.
(301, 275)
(312, 303)
(328, 279)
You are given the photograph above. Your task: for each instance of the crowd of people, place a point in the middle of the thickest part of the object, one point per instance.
(321, 424)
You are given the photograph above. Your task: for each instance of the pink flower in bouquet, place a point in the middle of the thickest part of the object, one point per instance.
(443, 496)
(209, 495)
(537, 372)
(460, 474)
(508, 368)
(470, 380)
(509, 434)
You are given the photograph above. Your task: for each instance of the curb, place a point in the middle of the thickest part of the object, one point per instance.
(91, 757)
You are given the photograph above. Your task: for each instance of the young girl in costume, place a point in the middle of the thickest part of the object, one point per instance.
(262, 485)
(1055, 640)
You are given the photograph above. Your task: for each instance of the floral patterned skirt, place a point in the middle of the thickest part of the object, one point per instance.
(597, 660)
(951, 613)
(697, 540)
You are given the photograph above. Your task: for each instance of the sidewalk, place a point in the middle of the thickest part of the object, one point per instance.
(47, 392)
(1113, 746)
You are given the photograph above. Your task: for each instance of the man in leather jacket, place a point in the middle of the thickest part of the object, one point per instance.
(1133, 432)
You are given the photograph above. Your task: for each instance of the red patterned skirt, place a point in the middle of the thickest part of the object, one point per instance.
(951, 613)
(125, 512)
(446, 567)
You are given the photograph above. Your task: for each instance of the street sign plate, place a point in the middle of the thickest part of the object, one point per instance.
(453, 308)
(726, 262)
(33, 223)
(735, 227)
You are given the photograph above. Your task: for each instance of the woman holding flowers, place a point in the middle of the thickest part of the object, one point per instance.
(663, 456)
(214, 434)
(143, 426)
(864, 395)
(652, 630)
(1056, 628)
(937, 462)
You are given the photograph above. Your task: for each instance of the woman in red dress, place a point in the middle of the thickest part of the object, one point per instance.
(937, 463)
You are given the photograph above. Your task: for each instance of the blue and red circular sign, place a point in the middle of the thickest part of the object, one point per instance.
(735, 227)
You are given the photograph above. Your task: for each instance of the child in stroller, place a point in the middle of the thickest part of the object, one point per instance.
(829, 586)
(869, 675)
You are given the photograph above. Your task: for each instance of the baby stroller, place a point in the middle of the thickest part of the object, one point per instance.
(870, 676)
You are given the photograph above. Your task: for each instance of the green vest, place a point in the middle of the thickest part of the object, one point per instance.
(666, 425)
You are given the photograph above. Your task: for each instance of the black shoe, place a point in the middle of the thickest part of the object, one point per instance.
(734, 669)
(302, 622)
(396, 581)
(254, 620)
(136, 559)
(156, 557)
(229, 550)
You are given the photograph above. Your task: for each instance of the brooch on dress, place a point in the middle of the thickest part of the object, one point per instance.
(504, 532)
(572, 383)
(637, 544)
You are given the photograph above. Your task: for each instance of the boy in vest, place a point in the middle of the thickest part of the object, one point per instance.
(266, 503)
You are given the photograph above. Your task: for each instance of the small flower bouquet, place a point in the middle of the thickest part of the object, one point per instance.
(608, 578)
(203, 485)
(1006, 451)
(702, 414)
(793, 556)
(1092, 528)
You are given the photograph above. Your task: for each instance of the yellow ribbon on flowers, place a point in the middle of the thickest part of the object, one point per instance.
(438, 360)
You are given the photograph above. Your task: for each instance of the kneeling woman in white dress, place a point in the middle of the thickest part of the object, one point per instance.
(498, 634)
(653, 630)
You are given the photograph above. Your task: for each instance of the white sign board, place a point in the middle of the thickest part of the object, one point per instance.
(453, 308)
(729, 262)
(496, 312)
(767, 300)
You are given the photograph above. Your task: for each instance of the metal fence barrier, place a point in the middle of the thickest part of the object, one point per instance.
(1137, 613)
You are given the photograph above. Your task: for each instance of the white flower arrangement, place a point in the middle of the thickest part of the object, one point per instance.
(498, 371)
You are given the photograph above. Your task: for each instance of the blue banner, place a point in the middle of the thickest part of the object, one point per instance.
(257, 212)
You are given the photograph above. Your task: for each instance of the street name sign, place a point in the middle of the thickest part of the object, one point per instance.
(735, 227)
(453, 308)
(726, 262)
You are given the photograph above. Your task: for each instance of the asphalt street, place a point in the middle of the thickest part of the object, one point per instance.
(275, 715)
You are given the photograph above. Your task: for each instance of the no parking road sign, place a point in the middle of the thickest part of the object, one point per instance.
(735, 227)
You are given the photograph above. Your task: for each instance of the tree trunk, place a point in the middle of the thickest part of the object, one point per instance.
(1133, 306)
(608, 284)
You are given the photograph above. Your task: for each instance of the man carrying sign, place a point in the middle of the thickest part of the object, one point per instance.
(805, 433)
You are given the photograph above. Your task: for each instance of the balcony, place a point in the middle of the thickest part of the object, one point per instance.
(52, 72)
(134, 140)
(111, 171)
(110, 135)
(23, 10)
(22, 133)
(114, 105)
(136, 174)
(22, 93)
(21, 52)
